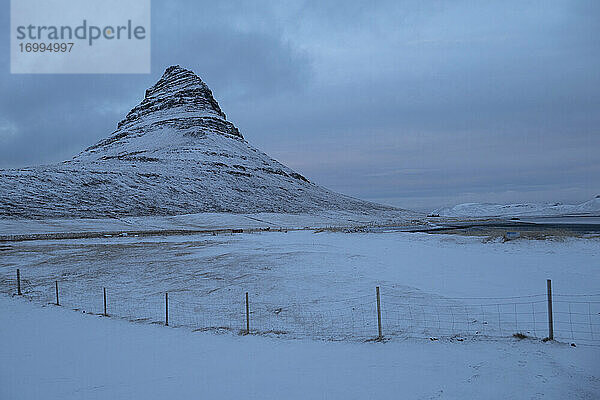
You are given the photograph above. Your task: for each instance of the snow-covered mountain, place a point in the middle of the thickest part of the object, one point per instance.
(477, 210)
(174, 153)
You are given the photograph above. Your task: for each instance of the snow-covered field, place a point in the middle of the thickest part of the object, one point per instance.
(51, 353)
(468, 295)
(20, 228)
(303, 284)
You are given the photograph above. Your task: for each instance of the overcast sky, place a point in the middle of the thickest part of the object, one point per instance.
(418, 104)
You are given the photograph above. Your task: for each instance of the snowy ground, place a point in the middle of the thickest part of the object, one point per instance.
(469, 295)
(322, 285)
(51, 353)
(20, 228)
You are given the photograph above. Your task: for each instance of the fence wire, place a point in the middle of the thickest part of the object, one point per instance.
(576, 318)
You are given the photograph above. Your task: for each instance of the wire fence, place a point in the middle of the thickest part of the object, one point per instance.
(575, 318)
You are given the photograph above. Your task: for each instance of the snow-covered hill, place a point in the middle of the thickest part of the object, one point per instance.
(174, 153)
(476, 210)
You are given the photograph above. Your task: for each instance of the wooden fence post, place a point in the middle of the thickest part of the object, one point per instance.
(166, 308)
(105, 314)
(247, 315)
(550, 319)
(19, 282)
(56, 287)
(380, 337)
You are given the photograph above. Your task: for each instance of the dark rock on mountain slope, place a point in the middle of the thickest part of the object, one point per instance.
(174, 153)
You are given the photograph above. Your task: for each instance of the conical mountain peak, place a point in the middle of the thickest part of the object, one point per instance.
(179, 103)
(187, 87)
(179, 93)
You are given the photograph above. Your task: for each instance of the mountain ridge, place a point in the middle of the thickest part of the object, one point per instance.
(479, 210)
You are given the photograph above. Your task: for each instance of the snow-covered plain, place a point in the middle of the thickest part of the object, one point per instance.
(20, 228)
(51, 352)
(306, 284)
